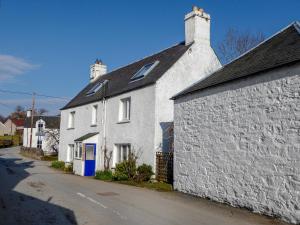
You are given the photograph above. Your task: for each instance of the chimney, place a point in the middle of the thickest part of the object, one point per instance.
(197, 27)
(28, 113)
(97, 69)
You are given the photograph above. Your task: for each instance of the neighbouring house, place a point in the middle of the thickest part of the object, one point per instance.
(129, 109)
(2, 129)
(237, 132)
(45, 133)
(14, 126)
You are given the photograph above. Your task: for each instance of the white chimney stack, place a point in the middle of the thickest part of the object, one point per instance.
(97, 69)
(28, 113)
(197, 27)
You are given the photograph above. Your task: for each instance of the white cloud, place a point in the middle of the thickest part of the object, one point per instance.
(11, 66)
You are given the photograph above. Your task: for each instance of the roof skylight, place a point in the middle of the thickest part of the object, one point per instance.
(96, 88)
(144, 71)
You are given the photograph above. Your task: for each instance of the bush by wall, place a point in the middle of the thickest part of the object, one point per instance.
(104, 175)
(144, 172)
(58, 165)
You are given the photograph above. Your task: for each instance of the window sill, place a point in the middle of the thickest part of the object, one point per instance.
(123, 121)
(77, 158)
(93, 125)
(70, 128)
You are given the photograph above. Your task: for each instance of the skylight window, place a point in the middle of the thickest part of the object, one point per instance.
(144, 71)
(96, 88)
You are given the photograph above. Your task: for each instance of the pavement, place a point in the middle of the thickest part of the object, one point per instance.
(31, 193)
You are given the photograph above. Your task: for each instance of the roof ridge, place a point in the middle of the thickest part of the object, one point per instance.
(294, 24)
(297, 26)
(148, 56)
(259, 44)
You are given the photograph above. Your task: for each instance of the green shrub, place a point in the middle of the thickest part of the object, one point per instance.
(104, 175)
(58, 165)
(68, 168)
(127, 167)
(144, 172)
(118, 176)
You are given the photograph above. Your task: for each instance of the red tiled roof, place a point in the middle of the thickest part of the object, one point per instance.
(18, 122)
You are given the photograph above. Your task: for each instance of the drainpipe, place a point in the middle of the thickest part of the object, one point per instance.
(104, 128)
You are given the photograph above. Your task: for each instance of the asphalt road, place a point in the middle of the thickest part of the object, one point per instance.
(31, 193)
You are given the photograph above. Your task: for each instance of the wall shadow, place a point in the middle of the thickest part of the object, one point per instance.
(20, 209)
(167, 136)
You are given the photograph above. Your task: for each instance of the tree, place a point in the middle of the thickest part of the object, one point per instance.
(236, 43)
(42, 111)
(52, 138)
(2, 118)
(19, 113)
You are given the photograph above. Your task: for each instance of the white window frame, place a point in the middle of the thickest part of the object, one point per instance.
(40, 127)
(39, 143)
(78, 150)
(120, 149)
(94, 115)
(71, 120)
(125, 110)
(70, 152)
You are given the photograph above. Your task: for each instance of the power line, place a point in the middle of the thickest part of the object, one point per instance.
(28, 93)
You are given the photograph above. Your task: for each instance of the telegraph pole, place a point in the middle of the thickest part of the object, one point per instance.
(32, 111)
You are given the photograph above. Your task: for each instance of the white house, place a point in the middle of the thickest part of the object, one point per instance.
(2, 129)
(237, 132)
(45, 133)
(14, 126)
(129, 109)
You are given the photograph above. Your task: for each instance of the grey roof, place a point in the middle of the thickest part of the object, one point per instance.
(86, 136)
(52, 122)
(119, 80)
(280, 49)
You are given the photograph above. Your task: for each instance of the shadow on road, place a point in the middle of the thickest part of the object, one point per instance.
(20, 209)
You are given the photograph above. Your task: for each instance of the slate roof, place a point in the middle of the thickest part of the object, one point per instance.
(86, 136)
(280, 49)
(119, 80)
(52, 122)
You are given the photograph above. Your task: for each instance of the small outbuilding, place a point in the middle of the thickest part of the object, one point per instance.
(237, 131)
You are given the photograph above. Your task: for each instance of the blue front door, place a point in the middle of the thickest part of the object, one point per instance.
(90, 162)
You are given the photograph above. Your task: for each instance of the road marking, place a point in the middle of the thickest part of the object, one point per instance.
(92, 200)
(103, 206)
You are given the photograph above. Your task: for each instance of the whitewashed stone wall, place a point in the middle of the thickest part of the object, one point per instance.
(239, 143)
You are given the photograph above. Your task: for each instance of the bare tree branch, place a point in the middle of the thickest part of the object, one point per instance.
(236, 43)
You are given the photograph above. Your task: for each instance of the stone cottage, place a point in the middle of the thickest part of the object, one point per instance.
(129, 109)
(237, 131)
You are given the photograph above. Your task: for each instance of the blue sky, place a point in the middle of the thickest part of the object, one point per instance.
(47, 46)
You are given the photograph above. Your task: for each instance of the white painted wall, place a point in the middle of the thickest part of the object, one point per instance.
(10, 127)
(139, 132)
(198, 62)
(239, 143)
(83, 125)
(2, 129)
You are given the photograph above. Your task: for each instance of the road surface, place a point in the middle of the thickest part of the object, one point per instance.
(31, 193)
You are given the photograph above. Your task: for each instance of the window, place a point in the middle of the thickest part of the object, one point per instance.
(78, 150)
(39, 143)
(96, 87)
(144, 71)
(71, 120)
(122, 152)
(124, 112)
(70, 152)
(40, 127)
(94, 114)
